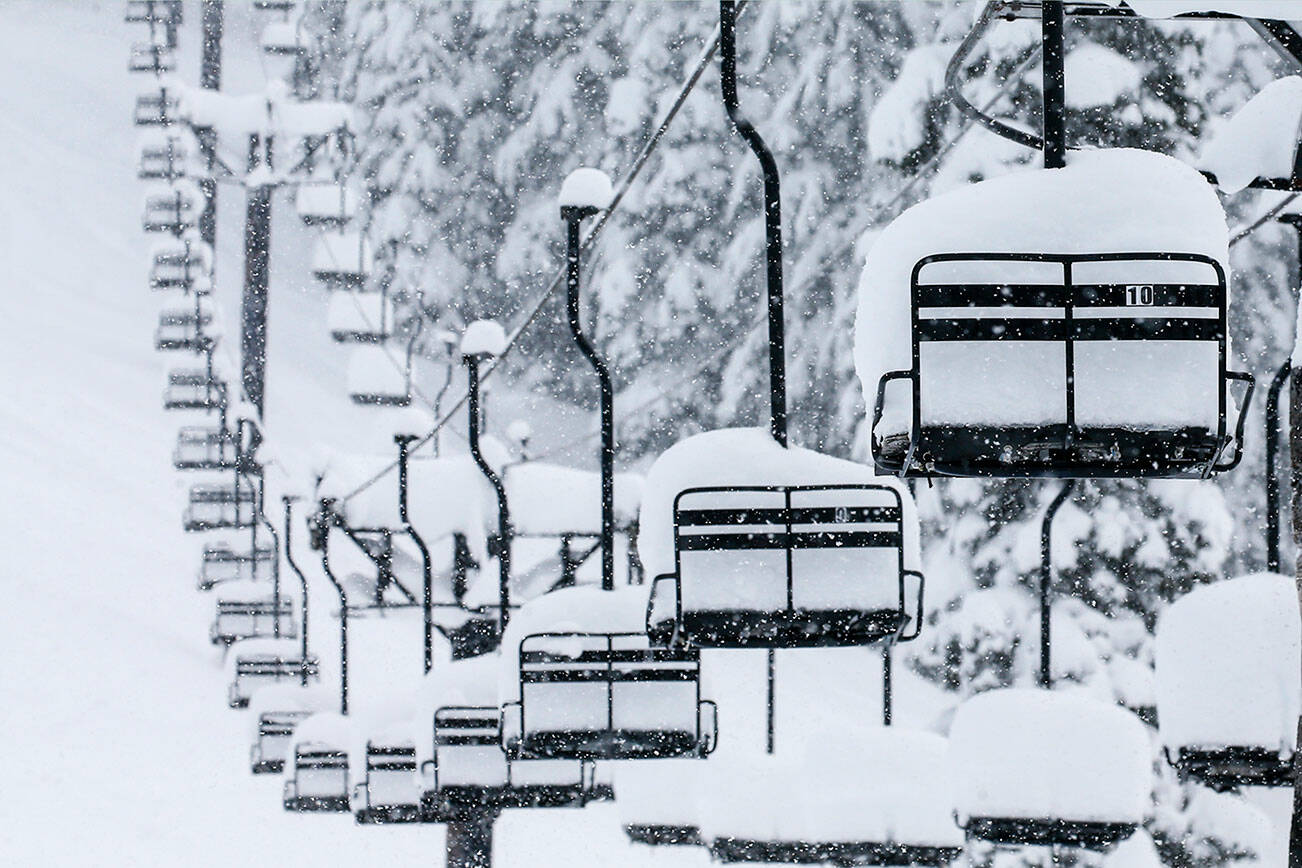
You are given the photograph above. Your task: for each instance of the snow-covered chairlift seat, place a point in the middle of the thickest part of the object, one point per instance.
(1013, 750)
(254, 664)
(390, 790)
(222, 564)
(165, 158)
(659, 803)
(467, 770)
(785, 565)
(180, 265)
(153, 12)
(376, 377)
(151, 57)
(200, 447)
(249, 610)
(325, 203)
(193, 389)
(275, 729)
(857, 796)
(214, 506)
(317, 770)
(360, 316)
(182, 328)
(156, 108)
(1064, 322)
(1228, 716)
(342, 259)
(173, 209)
(586, 683)
(281, 39)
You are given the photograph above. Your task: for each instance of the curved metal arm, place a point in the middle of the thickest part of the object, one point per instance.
(504, 533)
(573, 217)
(772, 219)
(427, 568)
(329, 518)
(302, 583)
(1046, 577)
(1243, 418)
(954, 86)
(1274, 428)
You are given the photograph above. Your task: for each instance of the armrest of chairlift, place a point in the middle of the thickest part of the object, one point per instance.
(914, 627)
(879, 405)
(512, 717)
(1251, 381)
(707, 715)
(656, 605)
(290, 790)
(428, 772)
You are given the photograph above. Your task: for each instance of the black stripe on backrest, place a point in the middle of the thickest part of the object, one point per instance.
(605, 675)
(714, 542)
(818, 539)
(864, 539)
(602, 657)
(989, 295)
(992, 329)
(844, 514)
(1148, 328)
(386, 750)
(731, 515)
(1164, 294)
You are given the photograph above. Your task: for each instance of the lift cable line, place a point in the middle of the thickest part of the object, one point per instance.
(589, 240)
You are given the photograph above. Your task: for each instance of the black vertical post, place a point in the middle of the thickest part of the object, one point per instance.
(572, 217)
(1046, 580)
(257, 273)
(772, 219)
(210, 78)
(1055, 90)
(1295, 501)
(327, 518)
(773, 263)
(504, 534)
(888, 687)
(1274, 426)
(404, 442)
(302, 585)
(470, 839)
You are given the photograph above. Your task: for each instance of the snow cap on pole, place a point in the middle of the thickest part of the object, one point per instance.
(587, 188)
(483, 337)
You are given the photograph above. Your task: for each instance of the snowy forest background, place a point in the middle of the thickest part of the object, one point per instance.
(471, 112)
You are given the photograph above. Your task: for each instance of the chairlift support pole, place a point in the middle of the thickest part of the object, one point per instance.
(327, 517)
(404, 442)
(302, 584)
(1046, 580)
(210, 78)
(1274, 426)
(773, 262)
(504, 534)
(1055, 92)
(470, 839)
(573, 217)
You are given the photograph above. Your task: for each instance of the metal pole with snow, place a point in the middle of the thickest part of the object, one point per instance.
(773, 262)
(585, 193)
(210, 78)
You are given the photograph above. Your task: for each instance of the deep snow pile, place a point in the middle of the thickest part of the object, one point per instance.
(1204, 686)
(1260, 140)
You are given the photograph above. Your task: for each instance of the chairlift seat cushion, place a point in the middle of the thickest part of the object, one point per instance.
(836, 853)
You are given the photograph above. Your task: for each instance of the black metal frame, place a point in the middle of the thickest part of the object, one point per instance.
(842, 853)
(791, 627)
(151, 57)
(505, 532)
(237, 496)
(273, 725)
(166, 163)
(173, 213)
(204, 448)
(318, 759)
(272, 668)
(156, 110)
(1063, 449)
(609, 666)
(386, 758)
(279, 615)
(1022, 831)
(246, 565)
